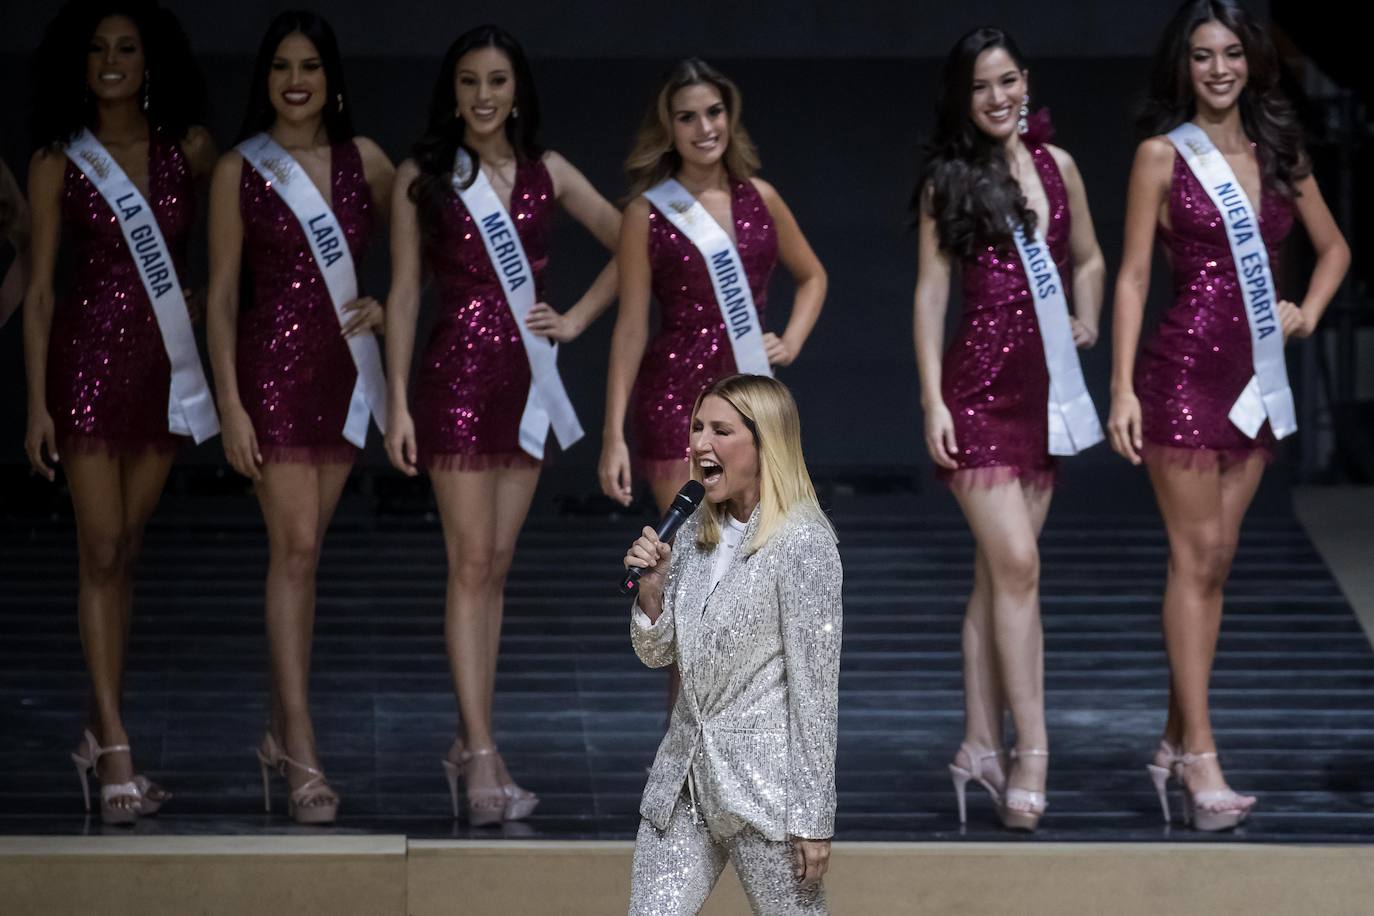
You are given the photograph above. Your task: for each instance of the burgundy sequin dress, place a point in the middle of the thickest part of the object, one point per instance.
(474, 375)
(994, 379)
(295, 371)
(691, 349)
(1199, 359)
(108, 373)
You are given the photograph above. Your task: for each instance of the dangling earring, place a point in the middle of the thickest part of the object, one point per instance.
(1023, 122)
(145, 90)
(340, 98)
(515, 111)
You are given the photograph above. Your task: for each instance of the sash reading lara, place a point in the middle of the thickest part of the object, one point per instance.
(1267, 394)
(548, 403)
(190, 408)
(728, 279)
(330, 248)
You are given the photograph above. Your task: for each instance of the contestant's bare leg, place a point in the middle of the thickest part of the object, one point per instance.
(467, 509)
(1005, 520)
(664, 490)
(984, 701)
(297, 501)
(514, 491)
(109, 529)
(1202, 511)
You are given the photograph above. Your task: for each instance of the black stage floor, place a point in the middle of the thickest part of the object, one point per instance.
(578, 718)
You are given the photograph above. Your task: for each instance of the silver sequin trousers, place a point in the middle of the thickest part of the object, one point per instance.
(675, 870)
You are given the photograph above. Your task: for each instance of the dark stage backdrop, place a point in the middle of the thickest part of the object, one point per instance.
(837, 97)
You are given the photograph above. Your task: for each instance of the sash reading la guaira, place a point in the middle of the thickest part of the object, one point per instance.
(190, 408)
(1073, 423)
(728, 279)
(547, 403)
(1267, 394)
(335, 262)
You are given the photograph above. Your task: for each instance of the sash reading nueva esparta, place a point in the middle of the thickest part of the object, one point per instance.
(723, 263)
(330, 249)
(1073, 423)
(190, 408)
(1267, 394)
(547, 403)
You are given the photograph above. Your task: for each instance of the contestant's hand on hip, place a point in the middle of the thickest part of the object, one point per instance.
(1083, 335)
(810, 860)
(365, 315)
(546, 321)
(1294, 321)
(777, 350)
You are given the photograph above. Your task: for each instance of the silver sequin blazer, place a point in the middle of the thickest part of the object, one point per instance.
(753, 731)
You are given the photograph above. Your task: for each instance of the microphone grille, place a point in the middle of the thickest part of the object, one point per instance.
(692, 491)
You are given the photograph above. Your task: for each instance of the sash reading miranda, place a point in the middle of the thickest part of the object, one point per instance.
(1267, 394)
(547, 404)
(190, 408)
(1072, 417)
(728, 278)
(327, 243)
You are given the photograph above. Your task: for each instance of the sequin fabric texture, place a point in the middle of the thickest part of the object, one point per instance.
(690, 349)
(108, 372)
(1199, 359)
(474, 375)
(753, 731)
(295, 372)
(675, 869)
(994, 379)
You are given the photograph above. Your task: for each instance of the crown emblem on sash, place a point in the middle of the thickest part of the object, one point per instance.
(684, 209)
(462, 166)
(1199, 149)
(279, 169)
(97, 162)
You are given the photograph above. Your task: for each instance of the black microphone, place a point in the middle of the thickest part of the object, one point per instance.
(684, 504)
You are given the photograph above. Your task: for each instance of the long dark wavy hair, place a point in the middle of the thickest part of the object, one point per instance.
(61, 103)
(965, 179)
(1268, 118)
(259, 116)
(654, 157)
(443, 135)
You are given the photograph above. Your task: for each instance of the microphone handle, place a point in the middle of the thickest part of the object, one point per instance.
(671, 522)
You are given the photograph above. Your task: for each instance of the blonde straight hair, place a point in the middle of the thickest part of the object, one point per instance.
(654, 158)
(784, 483)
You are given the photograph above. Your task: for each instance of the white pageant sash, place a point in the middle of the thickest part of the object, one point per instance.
(1268, 393)
(547, 403)
(728, 278)
(330, 248)
(1072, 417)
(190, 408)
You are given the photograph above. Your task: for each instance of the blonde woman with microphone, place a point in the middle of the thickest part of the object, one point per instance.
(746, 772)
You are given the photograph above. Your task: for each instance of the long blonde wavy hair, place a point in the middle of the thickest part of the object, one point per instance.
(654, 158)
(771, 416)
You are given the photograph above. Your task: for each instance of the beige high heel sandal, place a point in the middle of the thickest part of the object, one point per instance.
(271, 756)
(975, 772)
(1031, 804)
(110, 813)
(1214, 809)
